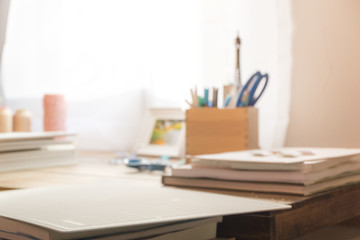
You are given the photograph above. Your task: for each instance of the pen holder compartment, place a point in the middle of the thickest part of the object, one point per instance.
(214, 130)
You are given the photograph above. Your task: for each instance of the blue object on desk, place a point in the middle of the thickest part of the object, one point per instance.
(142, 164)
(247, 95)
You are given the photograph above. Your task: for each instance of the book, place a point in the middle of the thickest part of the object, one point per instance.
(102, 210)
(39, 162)
(267, 187)
(300, 177)
(19, 136)
(29, 150)
(40, 153)
(286, 159)
(203, 232)
(196, 229)
(34, 144)
(172, 230)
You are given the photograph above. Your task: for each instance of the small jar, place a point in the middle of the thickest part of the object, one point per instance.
(22, 121)
(5, 120)
(54, 112)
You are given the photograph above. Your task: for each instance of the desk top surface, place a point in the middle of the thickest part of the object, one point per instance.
(94, 167)
(319, 210)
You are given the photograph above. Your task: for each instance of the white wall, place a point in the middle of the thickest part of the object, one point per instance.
(326, 74)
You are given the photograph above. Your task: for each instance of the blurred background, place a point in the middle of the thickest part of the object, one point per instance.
(115, 59)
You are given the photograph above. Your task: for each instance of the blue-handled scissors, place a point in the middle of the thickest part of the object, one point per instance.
(247, 95)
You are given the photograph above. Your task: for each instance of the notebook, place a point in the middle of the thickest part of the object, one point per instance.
(86, 211)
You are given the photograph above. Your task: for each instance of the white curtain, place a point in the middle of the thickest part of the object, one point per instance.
(93, 48)
(4, 9)
(113, 59)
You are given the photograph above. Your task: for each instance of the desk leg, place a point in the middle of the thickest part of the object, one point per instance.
(247, 226)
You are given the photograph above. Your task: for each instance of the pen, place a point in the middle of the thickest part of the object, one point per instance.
(215, 97)
(200, 101)
(206, 97)
(196, 100)
(245, 98)
(227, 100)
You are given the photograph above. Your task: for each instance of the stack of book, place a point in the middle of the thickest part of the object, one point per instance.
(28, 150)
(299, 171)
(200, 229)
(118, 211)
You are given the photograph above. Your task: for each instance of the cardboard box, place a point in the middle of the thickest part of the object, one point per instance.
(214, 130)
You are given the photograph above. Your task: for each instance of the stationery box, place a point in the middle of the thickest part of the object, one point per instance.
(214, 130)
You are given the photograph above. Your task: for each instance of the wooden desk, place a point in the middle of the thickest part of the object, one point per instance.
(93, 167)
(306, 215)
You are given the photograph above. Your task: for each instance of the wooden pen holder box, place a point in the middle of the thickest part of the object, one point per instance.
(214, 130)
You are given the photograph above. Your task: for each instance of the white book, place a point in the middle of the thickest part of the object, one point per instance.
(95, 210)
(39, 162)
(21, 136)
(19, 151)
(300, 177)
(203, 232)
(30, 144)
(204, 228)
(267, 187)
(14, 236)
(285, 159)
(33, 154)
(193, 229)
